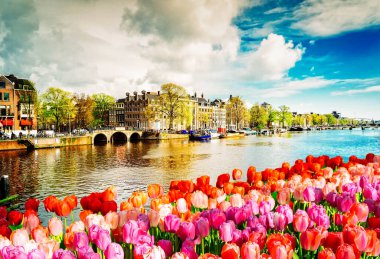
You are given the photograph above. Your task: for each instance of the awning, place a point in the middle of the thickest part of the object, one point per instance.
(7, 122)
(26, 122)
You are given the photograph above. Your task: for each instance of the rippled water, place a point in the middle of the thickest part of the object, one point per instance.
(84, 169)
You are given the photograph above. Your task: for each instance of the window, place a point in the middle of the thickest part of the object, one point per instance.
(1, 96)
(6, 96)
(2, 85)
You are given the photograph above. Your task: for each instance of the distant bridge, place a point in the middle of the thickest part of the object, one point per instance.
(111, 136)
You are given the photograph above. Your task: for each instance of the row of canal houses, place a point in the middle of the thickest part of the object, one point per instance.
(130, 112)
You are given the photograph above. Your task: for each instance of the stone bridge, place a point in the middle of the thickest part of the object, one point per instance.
(111, 136)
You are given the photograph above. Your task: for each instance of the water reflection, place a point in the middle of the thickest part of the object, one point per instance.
(83, 169)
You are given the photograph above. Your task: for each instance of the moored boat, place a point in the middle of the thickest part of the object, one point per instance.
(202, 135)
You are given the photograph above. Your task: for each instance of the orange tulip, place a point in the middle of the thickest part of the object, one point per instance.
(251, 174)
(72, 201)
(311, 238)
(126, 205)
(110, 194)
(228, 187)
(155, 190)
(62, 208)
(326, 253)
(83, 215)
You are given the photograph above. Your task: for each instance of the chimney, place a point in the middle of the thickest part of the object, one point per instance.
(202, 95)
(230, 96)
(158, 93)
(195, 94)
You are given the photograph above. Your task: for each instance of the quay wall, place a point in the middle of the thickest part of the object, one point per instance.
(166, 136)
(11, 145)
(61, 142)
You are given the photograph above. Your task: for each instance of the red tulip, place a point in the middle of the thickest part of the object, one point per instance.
(361, 211)
(333, 240)
(32, 204)
(49, 203)
(15, 217)
(108, 206)
(236, 174)
(326, 253)
(374, 222)
(203, 181)
(223, 178)
(311, 238)
(251, 174)
(230, 251)
(345, 251)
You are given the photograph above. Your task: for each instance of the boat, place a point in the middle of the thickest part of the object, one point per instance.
(214, 134)
(202, 135)
(297, 128)
(247, 131)
(231, 134)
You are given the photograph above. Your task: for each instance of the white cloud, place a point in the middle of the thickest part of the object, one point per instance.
(371, 89)
(330, 17)
(292, 87)
(3, 34)
(273, 58)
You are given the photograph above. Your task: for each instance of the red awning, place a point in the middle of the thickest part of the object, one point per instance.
(7, 122)
(26, 122)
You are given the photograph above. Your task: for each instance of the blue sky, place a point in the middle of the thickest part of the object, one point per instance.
(314, 56)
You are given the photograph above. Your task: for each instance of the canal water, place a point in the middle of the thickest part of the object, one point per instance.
(132, 166)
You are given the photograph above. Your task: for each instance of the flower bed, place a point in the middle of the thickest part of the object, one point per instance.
(318, 208)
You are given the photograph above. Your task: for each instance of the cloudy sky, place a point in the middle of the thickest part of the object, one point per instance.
(312, 55)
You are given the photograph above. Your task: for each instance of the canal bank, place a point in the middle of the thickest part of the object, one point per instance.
(57, 142)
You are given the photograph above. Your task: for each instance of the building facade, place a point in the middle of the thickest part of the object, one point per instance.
(17, 98)
(117, 114)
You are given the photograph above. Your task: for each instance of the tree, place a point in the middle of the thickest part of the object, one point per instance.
(102, 104)
(285, 116)
(236, 111)
(298, 120)
(56, 105)
(272, 116)
(186, 115)
(84, 105)
(259, 116)
(171, 101)
(331, 120)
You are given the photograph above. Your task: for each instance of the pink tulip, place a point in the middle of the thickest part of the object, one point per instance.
(112, 219)
(264, 207)
(166, 245)
(279, 221)
(179, 255)
(301, 221)
(80, 240)
(12, 252)
(309, 193)
(63, 254)
(143, 222)
(131, 232)
(154, 218)
(114, 251)
(171, 223)
(19, 237)
(199, 200)
(40, 234)
(225, 231)
(188, 248)
(156, 252)
(48, 247)
(90, 255)
(283, 196)
(31, 222)
(182, 205)
(202, 227)
(250, 250)
(103, 239)
(216, 218)
(55, 226)
(4, 242)
(140, 250)
(36, 254)
(186, 230)
(236, 200)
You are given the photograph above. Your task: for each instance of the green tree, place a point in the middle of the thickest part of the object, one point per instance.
(298, 120)
(258, 116)
(185, 115)
(56, 105)
(322, 119)
(284, 115)
(171, 101)
(28, 98)
(331, 120)
(236, 112)
(102, 104)
(273, 116)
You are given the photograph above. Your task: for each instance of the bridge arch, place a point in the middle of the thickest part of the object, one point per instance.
(135, 136)
(118, 137)
(100, 138)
